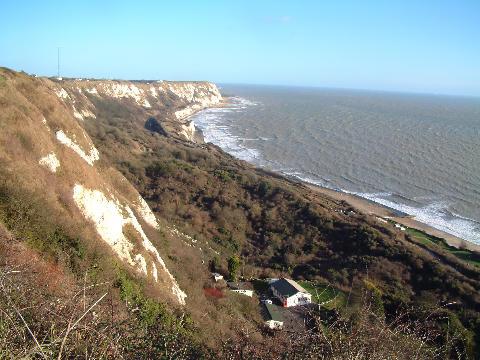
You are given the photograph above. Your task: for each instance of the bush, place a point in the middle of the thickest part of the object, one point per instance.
(160, 169)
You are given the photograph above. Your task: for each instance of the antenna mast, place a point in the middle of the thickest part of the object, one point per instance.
(58, 62)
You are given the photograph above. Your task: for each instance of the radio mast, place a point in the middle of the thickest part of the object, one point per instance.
(58, 62)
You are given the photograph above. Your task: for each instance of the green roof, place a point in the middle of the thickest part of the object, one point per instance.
(288, 287)
(274, 312)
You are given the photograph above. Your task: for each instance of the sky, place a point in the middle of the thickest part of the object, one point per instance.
(430, 46)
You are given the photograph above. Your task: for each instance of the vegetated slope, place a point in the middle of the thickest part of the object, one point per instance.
(209, 207)
(48, 312)
(61, 197)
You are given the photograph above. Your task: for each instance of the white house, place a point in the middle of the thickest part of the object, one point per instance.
(290, 293)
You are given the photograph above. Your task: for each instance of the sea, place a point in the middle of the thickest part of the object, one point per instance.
(416, 153)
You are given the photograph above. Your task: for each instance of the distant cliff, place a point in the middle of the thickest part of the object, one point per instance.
(171, 103)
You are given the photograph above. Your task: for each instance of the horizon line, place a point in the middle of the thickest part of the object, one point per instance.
(326, 87)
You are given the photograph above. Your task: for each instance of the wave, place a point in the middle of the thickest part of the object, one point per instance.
(242, 103)
(211, 123)
(436, 214)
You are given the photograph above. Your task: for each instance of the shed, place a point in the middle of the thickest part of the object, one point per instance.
(275, 319)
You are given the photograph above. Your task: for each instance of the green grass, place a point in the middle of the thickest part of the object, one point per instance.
(420, 236)
(322, 293)
(425, 239)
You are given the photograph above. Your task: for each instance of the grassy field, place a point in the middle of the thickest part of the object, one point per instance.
(322, 293)
(423, 238)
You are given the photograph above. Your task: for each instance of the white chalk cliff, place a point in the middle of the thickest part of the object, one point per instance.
(110, 217)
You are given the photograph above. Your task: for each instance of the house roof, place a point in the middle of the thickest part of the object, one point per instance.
(240, 285)
(288, 287)
(274, 312)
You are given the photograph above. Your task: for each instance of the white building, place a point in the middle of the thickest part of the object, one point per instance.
(290, 293)
(244, 292)
(242, 288)
(217, 277)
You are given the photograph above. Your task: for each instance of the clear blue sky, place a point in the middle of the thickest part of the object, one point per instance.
(419, 45)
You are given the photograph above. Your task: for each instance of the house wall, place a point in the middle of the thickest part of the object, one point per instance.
(272, 324)
(244, 292)
(299, 299)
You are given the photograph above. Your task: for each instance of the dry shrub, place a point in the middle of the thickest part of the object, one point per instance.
(84, 321)
(40, 319)
(213, 292)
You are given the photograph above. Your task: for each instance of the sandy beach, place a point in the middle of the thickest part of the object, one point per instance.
(371, 208)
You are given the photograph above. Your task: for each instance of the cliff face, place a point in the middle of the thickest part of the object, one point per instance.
(45, 150)
(171, 103)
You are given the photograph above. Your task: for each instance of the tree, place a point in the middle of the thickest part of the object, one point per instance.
(233, 266)
(215, 264)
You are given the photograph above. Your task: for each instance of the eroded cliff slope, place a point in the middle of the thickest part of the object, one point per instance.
(45, 150)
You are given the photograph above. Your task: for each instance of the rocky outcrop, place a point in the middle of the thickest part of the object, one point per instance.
(197, 96)
(50, 161)
(89, 157)
(153, 125)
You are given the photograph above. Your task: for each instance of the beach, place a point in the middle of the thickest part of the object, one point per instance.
(371, 208)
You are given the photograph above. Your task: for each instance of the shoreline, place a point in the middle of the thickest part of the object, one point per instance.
(369, 207)
(198, 133)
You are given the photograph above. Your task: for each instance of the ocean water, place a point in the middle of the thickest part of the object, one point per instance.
(419, 154)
